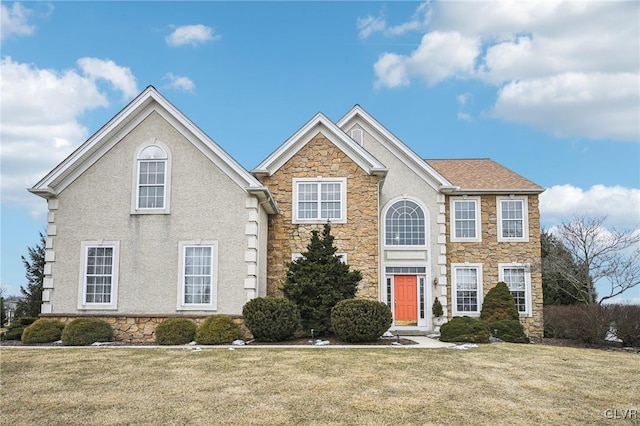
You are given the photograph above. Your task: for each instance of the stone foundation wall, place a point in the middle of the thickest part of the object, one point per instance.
(490, 253)
(358, 238)
(139, 328)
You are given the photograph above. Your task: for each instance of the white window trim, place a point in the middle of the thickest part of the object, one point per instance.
(454, 289)
(525, 218)
(342, 256)
(115, 272)
(320, 179)
(213, 305)
(527, 283)
(167, 180)
(452, 220)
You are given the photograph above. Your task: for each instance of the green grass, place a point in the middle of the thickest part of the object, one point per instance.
(492, 384)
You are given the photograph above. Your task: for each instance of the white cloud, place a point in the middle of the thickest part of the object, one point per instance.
(14, 21)
(369, 25)
(39, 122)
(121, 78)
(621, 205)
(373, 24)
(555, 65)
(439, 56)
(181, 83)
(191, 35)
(594, 106)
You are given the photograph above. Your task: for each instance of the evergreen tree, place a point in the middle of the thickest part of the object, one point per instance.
(30, 304)
(317, 281)
(3, 313)
(498, 305)
(564, 282)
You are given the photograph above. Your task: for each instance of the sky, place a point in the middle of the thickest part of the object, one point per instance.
(549, 89)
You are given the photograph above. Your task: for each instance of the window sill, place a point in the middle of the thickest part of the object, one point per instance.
(150, 211)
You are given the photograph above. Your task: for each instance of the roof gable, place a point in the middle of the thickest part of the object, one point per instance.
(319, 123)
(147, 102)
(357, 115)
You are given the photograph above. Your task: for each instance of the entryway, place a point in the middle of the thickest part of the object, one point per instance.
(405, 299)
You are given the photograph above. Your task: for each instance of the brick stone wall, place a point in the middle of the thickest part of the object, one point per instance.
(358, 238)
(490, 253)
(138, 328)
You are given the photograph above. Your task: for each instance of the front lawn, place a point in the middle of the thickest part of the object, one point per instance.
(492, 384)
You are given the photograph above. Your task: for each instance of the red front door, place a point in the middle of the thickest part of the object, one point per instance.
(406, 301)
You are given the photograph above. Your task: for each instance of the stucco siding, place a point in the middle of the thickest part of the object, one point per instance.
(205, 204)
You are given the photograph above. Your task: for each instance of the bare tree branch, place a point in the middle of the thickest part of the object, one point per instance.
(608, 256)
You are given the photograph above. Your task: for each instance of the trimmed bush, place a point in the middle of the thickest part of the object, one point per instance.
(626, 320)
(271, 319)
(14, 331)
(86, 331)
(510, 331)
(360, 320)
(499, 305)
(436, 308)
(465, 329)
(175, 331)
(43, 331)
(218, 330)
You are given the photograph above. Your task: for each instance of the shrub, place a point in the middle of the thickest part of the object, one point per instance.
(509, 331)
(465, 329)
(271, 319)
(585, 323)
(436, 308)
(360, 320)
(175, 331)
(14, 331)
(499, 305)
(43, 331)
(626, 320)
(85, 331)
(218, 330)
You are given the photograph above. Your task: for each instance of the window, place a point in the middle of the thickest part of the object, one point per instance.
(198, 275)
(467, 289)
(99, 281)
(512, 219)
(152, 179)
(319, 200)
(356, 135)
(518, 279)
(405, 224)
(465, 219)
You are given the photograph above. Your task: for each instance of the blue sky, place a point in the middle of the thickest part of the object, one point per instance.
(550, 90)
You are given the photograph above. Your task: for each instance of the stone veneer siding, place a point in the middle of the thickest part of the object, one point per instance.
(358, 238)
(140, 328)
(490, 253)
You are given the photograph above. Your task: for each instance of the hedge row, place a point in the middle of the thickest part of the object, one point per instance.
(592, 324)
(352, 320)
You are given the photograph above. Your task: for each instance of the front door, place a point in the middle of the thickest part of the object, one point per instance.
(405, 300)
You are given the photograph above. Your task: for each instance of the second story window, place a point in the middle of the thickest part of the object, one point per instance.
(319, 200)
(405, 224)
(512, 219)
(152, 165)
(151, 179)
(465, 219)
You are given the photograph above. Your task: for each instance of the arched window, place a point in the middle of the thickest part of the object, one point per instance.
(404, 224)
(151, 178)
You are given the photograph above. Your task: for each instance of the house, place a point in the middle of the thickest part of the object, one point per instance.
(150, 219)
